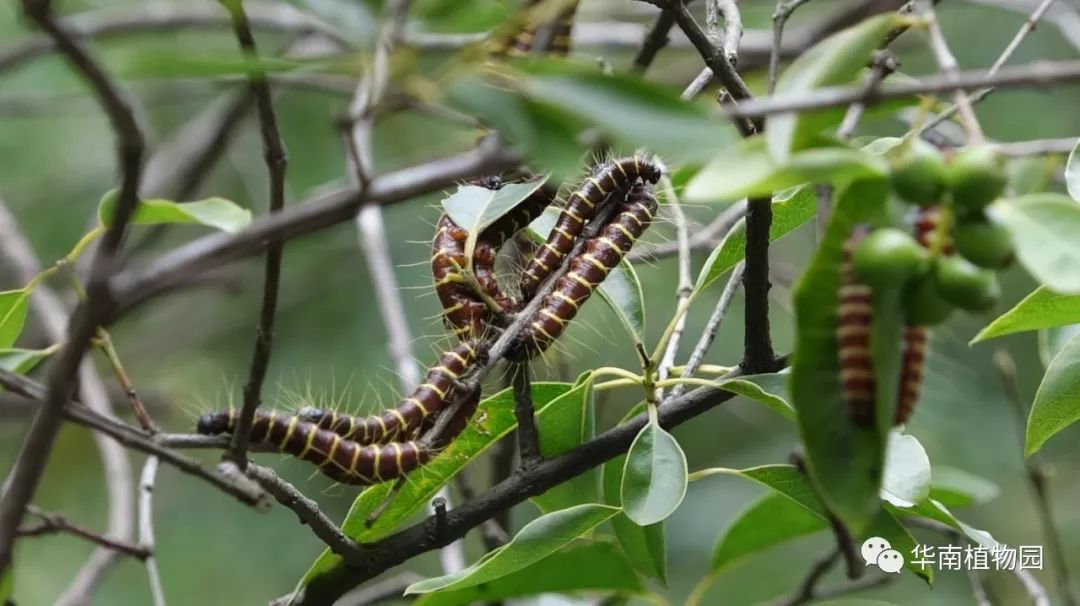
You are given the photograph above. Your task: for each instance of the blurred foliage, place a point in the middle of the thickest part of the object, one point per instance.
(188, 353)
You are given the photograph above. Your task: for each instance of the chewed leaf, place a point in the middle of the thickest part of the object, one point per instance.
(474, 208)
(217, 213)
(621, 290)
(907, 471)
(537, 540)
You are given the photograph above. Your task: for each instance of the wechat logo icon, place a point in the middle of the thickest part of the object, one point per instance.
(879, 552)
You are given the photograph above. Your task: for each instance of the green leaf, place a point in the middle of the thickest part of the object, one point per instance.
(494, 421)
(621, 290)
(954, 487)
(22, 361)
(654, 477)
(748, 170)
(791, 483)
(1057, 403)
(1072, 173)
(217, 213)
(644, 546)
(836, 60)
(537, 540)
(570, 422)
(13, 305)
(768, 522)
(791, 209)
(907, 471)
(189, 64)
(630, 110)
(1043, 308)
(583, 566)
(770, 389)
(845, 461)
(7, 586)
(474, 207)
(932, 510)
(1045, 229)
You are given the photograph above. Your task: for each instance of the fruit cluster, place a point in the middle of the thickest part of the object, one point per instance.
(950, 261)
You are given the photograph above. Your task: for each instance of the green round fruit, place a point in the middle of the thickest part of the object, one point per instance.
(919, 174)
(965, 285)
(887, 257)
(923, 304)
(976, 176)
(984, 243)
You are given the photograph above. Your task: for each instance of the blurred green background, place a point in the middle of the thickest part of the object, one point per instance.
(189, 352)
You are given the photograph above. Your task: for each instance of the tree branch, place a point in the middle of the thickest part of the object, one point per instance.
(88, 316)
(146, 527)
(527, 434)
(53, 523)
(276, 159)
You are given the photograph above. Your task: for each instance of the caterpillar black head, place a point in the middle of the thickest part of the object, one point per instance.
(311, 414)
(214, 423)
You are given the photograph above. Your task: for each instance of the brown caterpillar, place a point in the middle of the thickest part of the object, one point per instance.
(559, 40)
(587, 270)
(581, 207)
(854, 319)
(415, 413)
(464, 311)
(913, 352)
(345, 461)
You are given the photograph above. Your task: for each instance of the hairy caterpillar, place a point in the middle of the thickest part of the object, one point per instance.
(913, 352)
(581, 207)
(467, 313)
(343, 460)
(414, 413)
(587, 270)
(854, 319)
(559, 40)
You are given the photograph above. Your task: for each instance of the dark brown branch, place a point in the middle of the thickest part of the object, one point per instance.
(655, 40)
(54, 523)
(275, 157)
(307, 510)
(420, 538)
(88, 316)
(527, 434)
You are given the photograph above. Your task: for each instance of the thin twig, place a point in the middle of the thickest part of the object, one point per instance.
(978, 590)
(306, 510)
(24, 477)
(276, 160)
(684, 287)
(53, 523)
(655, 40)
(949, 68)
(806, 590)
(979, 95)
(130, 437)
(146, 527)
(1036, 474)
(527, 435)
(1039, 147)
(1035, 74)
(882, 65)
(780, 16)
(728, 42)
(708, 335)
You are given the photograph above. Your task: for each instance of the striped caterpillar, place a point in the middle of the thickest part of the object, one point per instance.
(414, 414)
(854, 323)
(581, 207)
(587, 270)
(464, 310)
(343, 460)
(913, 353)
(559, 40)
